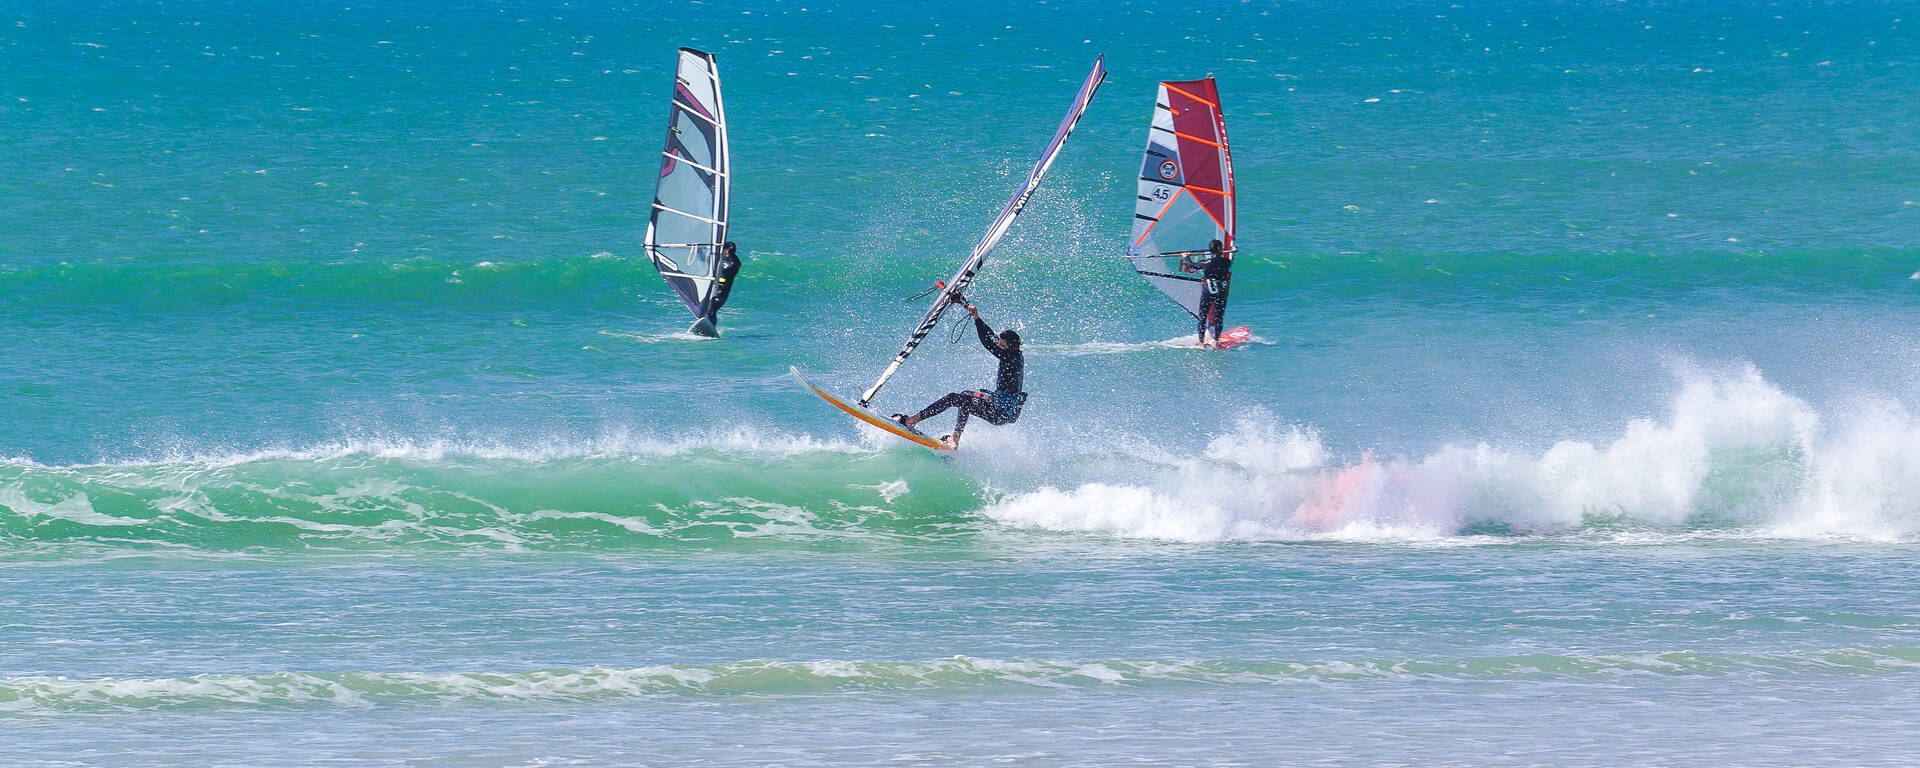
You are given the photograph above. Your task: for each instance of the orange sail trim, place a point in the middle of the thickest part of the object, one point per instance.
(1205, 161)
(1209, 142)
(1163, 212)
(1175, 89)
(1209, 213)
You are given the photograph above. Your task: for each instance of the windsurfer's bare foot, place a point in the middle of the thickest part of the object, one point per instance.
(951, 441)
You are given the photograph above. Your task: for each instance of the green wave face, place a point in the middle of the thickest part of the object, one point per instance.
(701, 498)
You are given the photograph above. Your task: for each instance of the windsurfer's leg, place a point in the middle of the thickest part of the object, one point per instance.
(952, 400)
(971, 407)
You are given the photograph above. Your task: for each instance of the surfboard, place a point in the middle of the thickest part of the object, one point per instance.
(1233, 338)
(872, 419)
(703, 328)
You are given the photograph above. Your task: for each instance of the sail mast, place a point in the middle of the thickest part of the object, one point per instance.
(964, 277)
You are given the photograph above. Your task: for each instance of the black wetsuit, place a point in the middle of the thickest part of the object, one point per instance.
(1215, 275)
(1000, 406)
(729, 266)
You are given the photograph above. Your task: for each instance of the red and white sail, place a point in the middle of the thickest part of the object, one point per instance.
(1186, 190)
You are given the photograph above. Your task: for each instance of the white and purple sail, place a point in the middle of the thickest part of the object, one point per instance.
(688, 220)
(955, 285)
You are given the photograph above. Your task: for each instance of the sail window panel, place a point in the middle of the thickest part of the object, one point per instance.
(673, 231)
(693, 139)
(692, 292)
(1185, 292)
(1185, 226)
(687, 189)
(696, 85)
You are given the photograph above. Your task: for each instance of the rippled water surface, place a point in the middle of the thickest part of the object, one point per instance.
(343, 422)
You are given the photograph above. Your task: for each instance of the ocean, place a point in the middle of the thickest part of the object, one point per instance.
(345, 422)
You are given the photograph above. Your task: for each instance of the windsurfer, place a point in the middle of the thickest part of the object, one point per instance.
(1000, 406)
(1215, 274)
(723, 283)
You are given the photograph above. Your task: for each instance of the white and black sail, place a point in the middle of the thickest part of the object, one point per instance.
(688, 220)
(1185, 195)
(955, 285)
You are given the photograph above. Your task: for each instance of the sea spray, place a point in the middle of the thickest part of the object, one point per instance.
(1733, 453)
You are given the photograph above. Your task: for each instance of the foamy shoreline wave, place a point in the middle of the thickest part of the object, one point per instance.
(44, 695)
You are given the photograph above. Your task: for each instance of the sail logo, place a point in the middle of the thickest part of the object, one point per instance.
(1169, 170)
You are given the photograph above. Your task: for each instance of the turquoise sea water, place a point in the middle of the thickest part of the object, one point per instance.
(342, 421)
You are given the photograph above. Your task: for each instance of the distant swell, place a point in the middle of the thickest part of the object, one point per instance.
(598, 280)
(35, 695)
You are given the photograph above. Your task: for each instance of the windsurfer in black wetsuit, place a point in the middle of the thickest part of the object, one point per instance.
(1215, 274)
(723, 283)
(1000, 406)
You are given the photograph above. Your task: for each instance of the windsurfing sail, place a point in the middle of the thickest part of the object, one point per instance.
(688, 221)
(961, 279)
(1186, 190)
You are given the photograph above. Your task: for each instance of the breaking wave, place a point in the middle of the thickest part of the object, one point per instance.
(727, 489)
(1733, 457)
(1732, 454)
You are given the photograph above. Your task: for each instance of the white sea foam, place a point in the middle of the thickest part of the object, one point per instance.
(41, 695)
(1733, 453)
(1185, 341)
(75, 508)
(612, 444)
(657, 338)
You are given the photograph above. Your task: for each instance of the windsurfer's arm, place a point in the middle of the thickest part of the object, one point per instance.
(986, 333)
